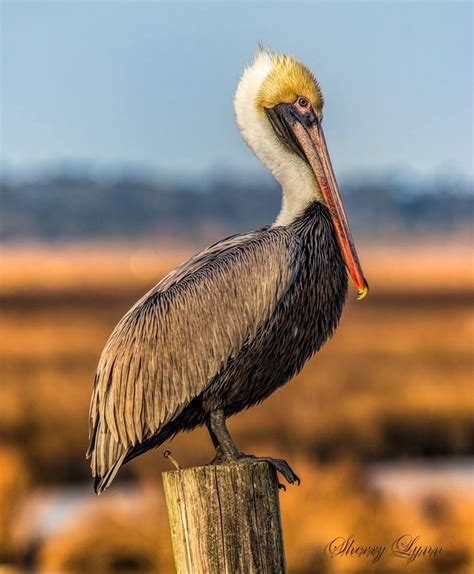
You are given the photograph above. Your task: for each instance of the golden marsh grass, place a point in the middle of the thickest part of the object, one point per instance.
(394, 383)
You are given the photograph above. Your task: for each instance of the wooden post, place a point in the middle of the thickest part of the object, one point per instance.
(225, 519)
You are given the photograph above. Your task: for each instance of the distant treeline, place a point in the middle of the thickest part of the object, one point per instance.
(71, 207)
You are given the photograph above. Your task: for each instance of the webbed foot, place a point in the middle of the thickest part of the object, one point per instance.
(219, 458)
(278, 464)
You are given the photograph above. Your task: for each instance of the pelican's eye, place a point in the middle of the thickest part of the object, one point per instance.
(303, 102)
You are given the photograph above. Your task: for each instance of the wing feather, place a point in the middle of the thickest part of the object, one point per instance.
(167, 348)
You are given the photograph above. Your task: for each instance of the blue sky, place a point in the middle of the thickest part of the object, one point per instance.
(151, 83)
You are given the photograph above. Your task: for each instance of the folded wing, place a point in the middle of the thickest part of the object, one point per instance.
(167, 348)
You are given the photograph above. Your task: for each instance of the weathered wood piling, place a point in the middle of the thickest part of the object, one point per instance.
(225, 519)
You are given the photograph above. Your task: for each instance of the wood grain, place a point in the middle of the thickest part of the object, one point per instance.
(225, 519)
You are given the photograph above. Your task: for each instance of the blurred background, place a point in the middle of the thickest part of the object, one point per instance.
(120, 157)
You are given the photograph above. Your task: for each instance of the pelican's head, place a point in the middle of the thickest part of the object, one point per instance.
(278, 107)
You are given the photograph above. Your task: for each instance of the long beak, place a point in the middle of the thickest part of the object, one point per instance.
(312, 143)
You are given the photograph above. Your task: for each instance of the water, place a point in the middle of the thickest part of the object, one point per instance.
(413, 479)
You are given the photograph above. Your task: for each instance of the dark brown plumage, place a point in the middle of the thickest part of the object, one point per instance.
(225, 329)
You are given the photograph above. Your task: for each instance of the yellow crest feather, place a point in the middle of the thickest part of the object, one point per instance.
(287, 80)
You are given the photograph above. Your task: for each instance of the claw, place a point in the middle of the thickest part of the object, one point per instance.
(281, 487)
(279, 465)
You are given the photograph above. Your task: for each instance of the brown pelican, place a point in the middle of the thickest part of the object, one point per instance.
(235, 322)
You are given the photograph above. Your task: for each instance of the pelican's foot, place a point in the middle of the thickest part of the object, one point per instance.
(278, 464)
(219, 458)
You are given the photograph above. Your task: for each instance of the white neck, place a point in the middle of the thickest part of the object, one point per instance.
(299, 186)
